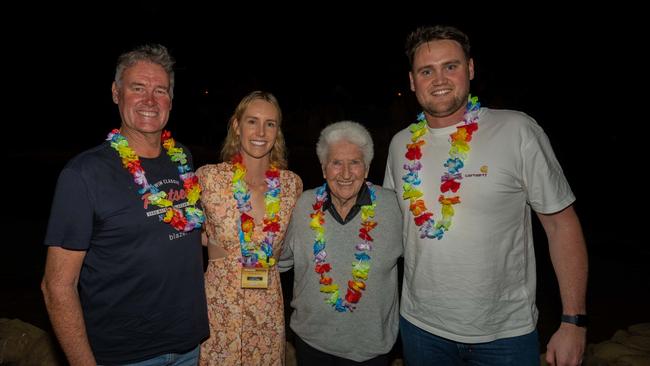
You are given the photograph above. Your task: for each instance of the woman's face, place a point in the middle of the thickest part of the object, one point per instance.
(257, 129)
(344, 171)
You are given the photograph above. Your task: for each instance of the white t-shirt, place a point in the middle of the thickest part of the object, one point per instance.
(477, 283)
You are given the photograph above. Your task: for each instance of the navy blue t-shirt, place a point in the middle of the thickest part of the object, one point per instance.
(141, 283)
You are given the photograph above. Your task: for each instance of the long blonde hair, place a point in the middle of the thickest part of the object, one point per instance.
(232, 143)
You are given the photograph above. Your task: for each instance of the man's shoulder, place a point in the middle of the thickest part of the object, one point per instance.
(91, 156)
(403, 132)
(402, 136)
(509, 116)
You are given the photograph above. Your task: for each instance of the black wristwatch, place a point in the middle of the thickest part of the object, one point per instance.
(579, 320)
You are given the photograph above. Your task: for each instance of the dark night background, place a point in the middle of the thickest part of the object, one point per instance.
(575, 73)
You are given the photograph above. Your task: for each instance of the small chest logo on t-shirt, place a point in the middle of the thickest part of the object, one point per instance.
(483, 172)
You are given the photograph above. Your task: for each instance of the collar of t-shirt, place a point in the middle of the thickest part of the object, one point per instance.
(363, 198)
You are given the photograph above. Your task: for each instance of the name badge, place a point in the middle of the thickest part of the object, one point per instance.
(254, 277)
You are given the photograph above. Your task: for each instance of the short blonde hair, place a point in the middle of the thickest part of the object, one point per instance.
(232, 143)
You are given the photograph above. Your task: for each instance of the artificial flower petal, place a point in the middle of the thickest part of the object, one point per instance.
(131, 162)
(250, 252)
(458, 152)
(360, 267)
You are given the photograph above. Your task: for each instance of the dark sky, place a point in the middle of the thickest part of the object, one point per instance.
(567, 70)
(313, 61)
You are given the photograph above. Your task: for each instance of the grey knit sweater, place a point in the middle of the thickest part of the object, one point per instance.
(371, 329)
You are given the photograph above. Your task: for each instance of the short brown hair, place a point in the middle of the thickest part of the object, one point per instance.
(435, 33)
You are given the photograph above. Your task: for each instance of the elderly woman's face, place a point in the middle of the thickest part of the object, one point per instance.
(345, 171)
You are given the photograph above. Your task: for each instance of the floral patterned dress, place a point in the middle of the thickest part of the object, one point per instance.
(246, 325)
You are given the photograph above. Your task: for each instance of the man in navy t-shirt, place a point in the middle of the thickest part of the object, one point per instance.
(124, 276)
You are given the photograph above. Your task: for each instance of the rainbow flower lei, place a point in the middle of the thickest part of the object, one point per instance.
(251, 255)
(360, 267)
(450, 179)
(189, 219)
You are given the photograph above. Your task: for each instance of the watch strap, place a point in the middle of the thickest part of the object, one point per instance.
(580, 320)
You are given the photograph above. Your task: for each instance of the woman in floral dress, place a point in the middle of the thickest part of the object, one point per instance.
(248, 201)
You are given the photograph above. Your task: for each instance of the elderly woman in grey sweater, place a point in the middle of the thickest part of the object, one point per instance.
(343, 241)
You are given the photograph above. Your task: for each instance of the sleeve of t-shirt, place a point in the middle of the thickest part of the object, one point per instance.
(71, 216)
(388, 174)
(547, 188)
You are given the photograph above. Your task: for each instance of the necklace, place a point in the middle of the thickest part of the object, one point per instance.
(458, 152)
(360, 267)
(251, 255)
(189, 219)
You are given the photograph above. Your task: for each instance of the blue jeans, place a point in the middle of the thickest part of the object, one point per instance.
(423, 348)
(190, 358)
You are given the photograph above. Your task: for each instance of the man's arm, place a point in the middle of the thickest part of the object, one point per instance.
(59, 287)
(569, 257)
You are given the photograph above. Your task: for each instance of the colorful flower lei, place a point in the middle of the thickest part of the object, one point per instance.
(450, 179)
(189, 219)
(360, 267)
(251, 255)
